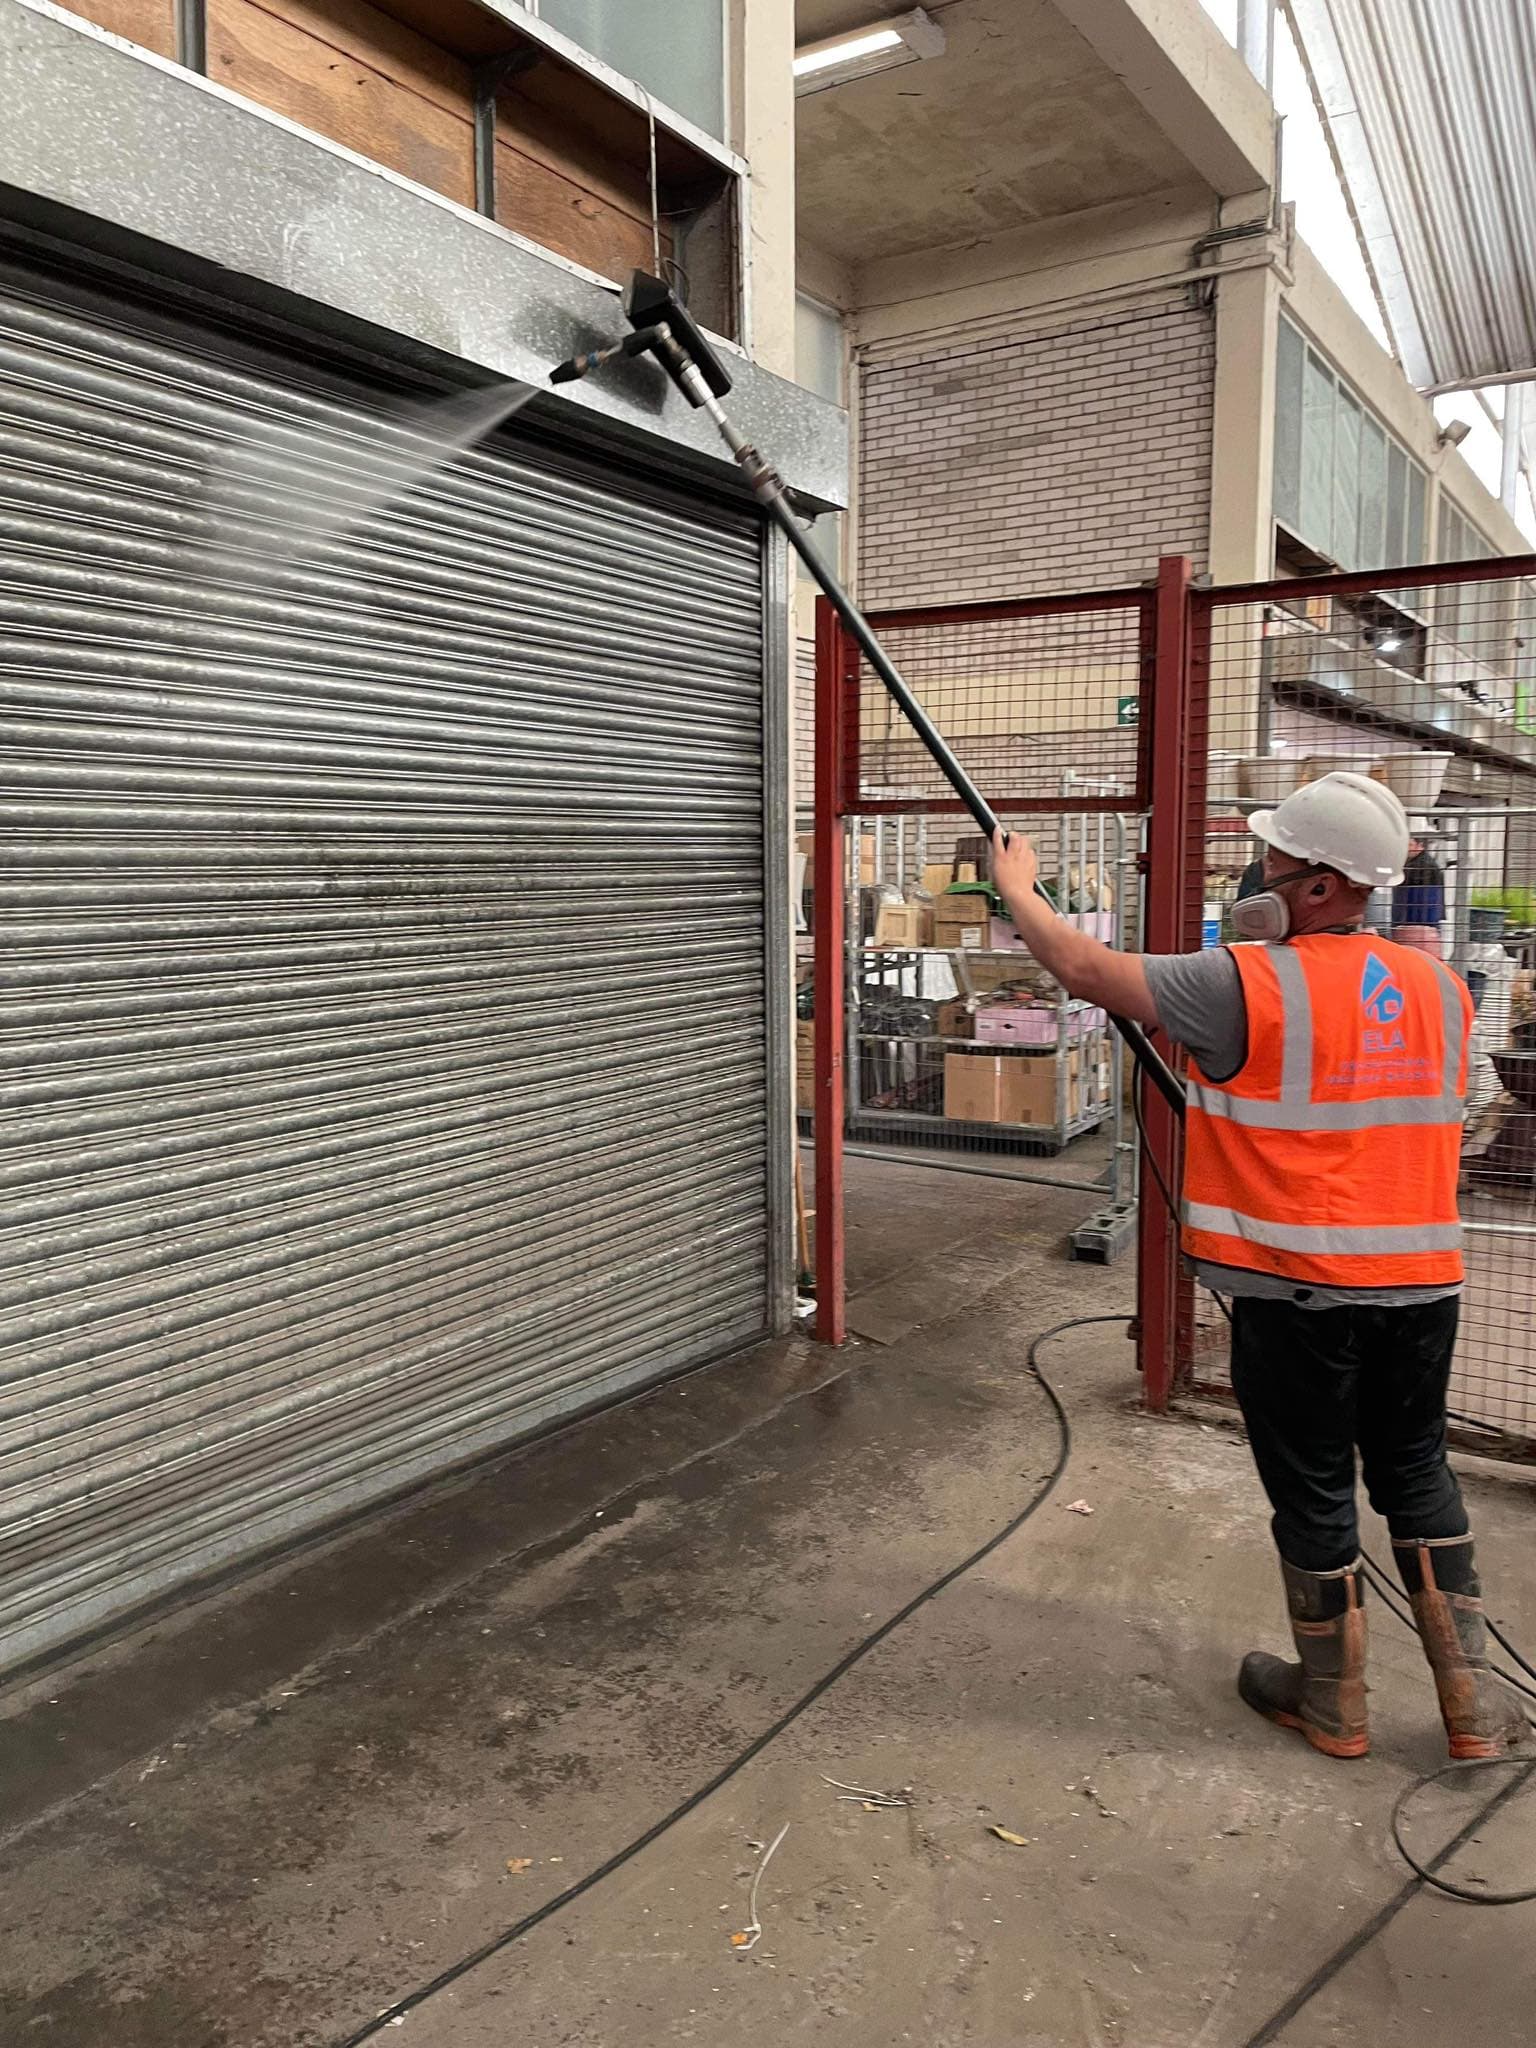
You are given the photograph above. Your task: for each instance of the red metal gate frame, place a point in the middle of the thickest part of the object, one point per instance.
(1169, 1341)
(1177, 621)
(1176, 692)
(1161, 744)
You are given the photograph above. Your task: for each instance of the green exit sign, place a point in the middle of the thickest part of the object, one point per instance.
(1127, 710)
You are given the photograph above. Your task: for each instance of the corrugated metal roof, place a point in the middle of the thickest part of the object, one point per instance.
(1431, 108)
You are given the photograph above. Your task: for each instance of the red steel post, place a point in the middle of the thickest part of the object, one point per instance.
(828, 887)
(1166, 708)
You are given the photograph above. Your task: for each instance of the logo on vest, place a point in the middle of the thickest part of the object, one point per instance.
(1384, 1060)
(1380, 996)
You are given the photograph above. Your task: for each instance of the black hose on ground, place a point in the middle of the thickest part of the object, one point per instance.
(393, 2014)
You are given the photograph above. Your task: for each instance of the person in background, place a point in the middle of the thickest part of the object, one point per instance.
(1322, 1145)
(1418, 902)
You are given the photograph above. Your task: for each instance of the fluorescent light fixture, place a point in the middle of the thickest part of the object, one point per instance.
(847, 51)
(878, 46)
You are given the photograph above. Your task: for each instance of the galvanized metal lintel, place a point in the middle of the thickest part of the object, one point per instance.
(246, 207)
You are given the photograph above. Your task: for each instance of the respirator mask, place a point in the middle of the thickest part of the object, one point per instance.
(1267, 916)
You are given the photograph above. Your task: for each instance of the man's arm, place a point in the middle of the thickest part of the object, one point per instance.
(1117, 982)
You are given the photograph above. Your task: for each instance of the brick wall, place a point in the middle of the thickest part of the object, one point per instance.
(1000, 461)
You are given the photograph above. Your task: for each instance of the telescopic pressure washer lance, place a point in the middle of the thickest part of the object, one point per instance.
(663, 328)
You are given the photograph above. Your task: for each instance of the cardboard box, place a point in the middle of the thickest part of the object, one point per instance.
(983, 977)
(1031, 1023)
(1000, 1087)
(1078, 1096)
(904, 924)
(805, 1065)
(963, 922)
(954, 1020)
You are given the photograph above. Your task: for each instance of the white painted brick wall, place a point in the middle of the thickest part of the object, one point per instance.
(1067, 457)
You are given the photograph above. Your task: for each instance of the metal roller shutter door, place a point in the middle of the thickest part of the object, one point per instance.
(382, 1038)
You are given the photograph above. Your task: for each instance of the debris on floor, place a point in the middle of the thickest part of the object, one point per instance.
(747, 1940)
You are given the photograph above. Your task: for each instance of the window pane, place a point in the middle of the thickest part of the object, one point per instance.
(819, 348)
(1288, 364)
(1373, 496)
(674, 48)
(1317, 410)
(1346, 483)
(1395, 554)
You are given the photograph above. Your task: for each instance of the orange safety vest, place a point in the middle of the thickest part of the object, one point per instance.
(1330, 1158)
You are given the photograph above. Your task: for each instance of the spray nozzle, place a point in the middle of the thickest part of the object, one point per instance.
(664, 328)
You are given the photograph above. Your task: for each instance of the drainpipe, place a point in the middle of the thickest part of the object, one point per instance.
(1256, 39)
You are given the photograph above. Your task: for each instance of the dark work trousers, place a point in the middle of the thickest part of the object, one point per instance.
(1315, 1385)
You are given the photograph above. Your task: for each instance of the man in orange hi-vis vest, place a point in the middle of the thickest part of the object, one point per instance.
(1323, 1137)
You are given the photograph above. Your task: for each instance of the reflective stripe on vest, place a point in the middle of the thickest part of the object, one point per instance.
(1296, 1110)
(1342, 1239)
(1331, 1156)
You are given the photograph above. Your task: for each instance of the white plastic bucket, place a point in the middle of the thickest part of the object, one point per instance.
(1415, 778)
(1266, 778)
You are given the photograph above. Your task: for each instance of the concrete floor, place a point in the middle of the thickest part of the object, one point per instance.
(260, 1821)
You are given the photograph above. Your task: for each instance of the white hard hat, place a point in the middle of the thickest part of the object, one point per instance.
(1341, 821)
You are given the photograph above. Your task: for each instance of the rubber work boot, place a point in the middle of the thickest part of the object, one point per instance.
(1481, 1719)
(1324, 1695)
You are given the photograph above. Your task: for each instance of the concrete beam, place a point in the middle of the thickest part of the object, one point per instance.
(764, 48)
(1242, 435)
(1072, 257)
(1172, 57)
(824, 277)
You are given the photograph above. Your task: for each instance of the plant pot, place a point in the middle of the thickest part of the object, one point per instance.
(1415, 779)
(1485, 927)
(1267, 778)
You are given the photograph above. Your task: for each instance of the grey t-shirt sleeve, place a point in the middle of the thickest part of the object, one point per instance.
(1199, 998)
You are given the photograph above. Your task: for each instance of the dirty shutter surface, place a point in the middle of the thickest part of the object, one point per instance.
(382, 1019)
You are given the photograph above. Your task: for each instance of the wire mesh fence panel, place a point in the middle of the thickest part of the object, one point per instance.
(1041, 705)
(959, 1043)
(959, 1050)
(1426, 682)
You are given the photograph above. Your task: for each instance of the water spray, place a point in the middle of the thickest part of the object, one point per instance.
(663, 328)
